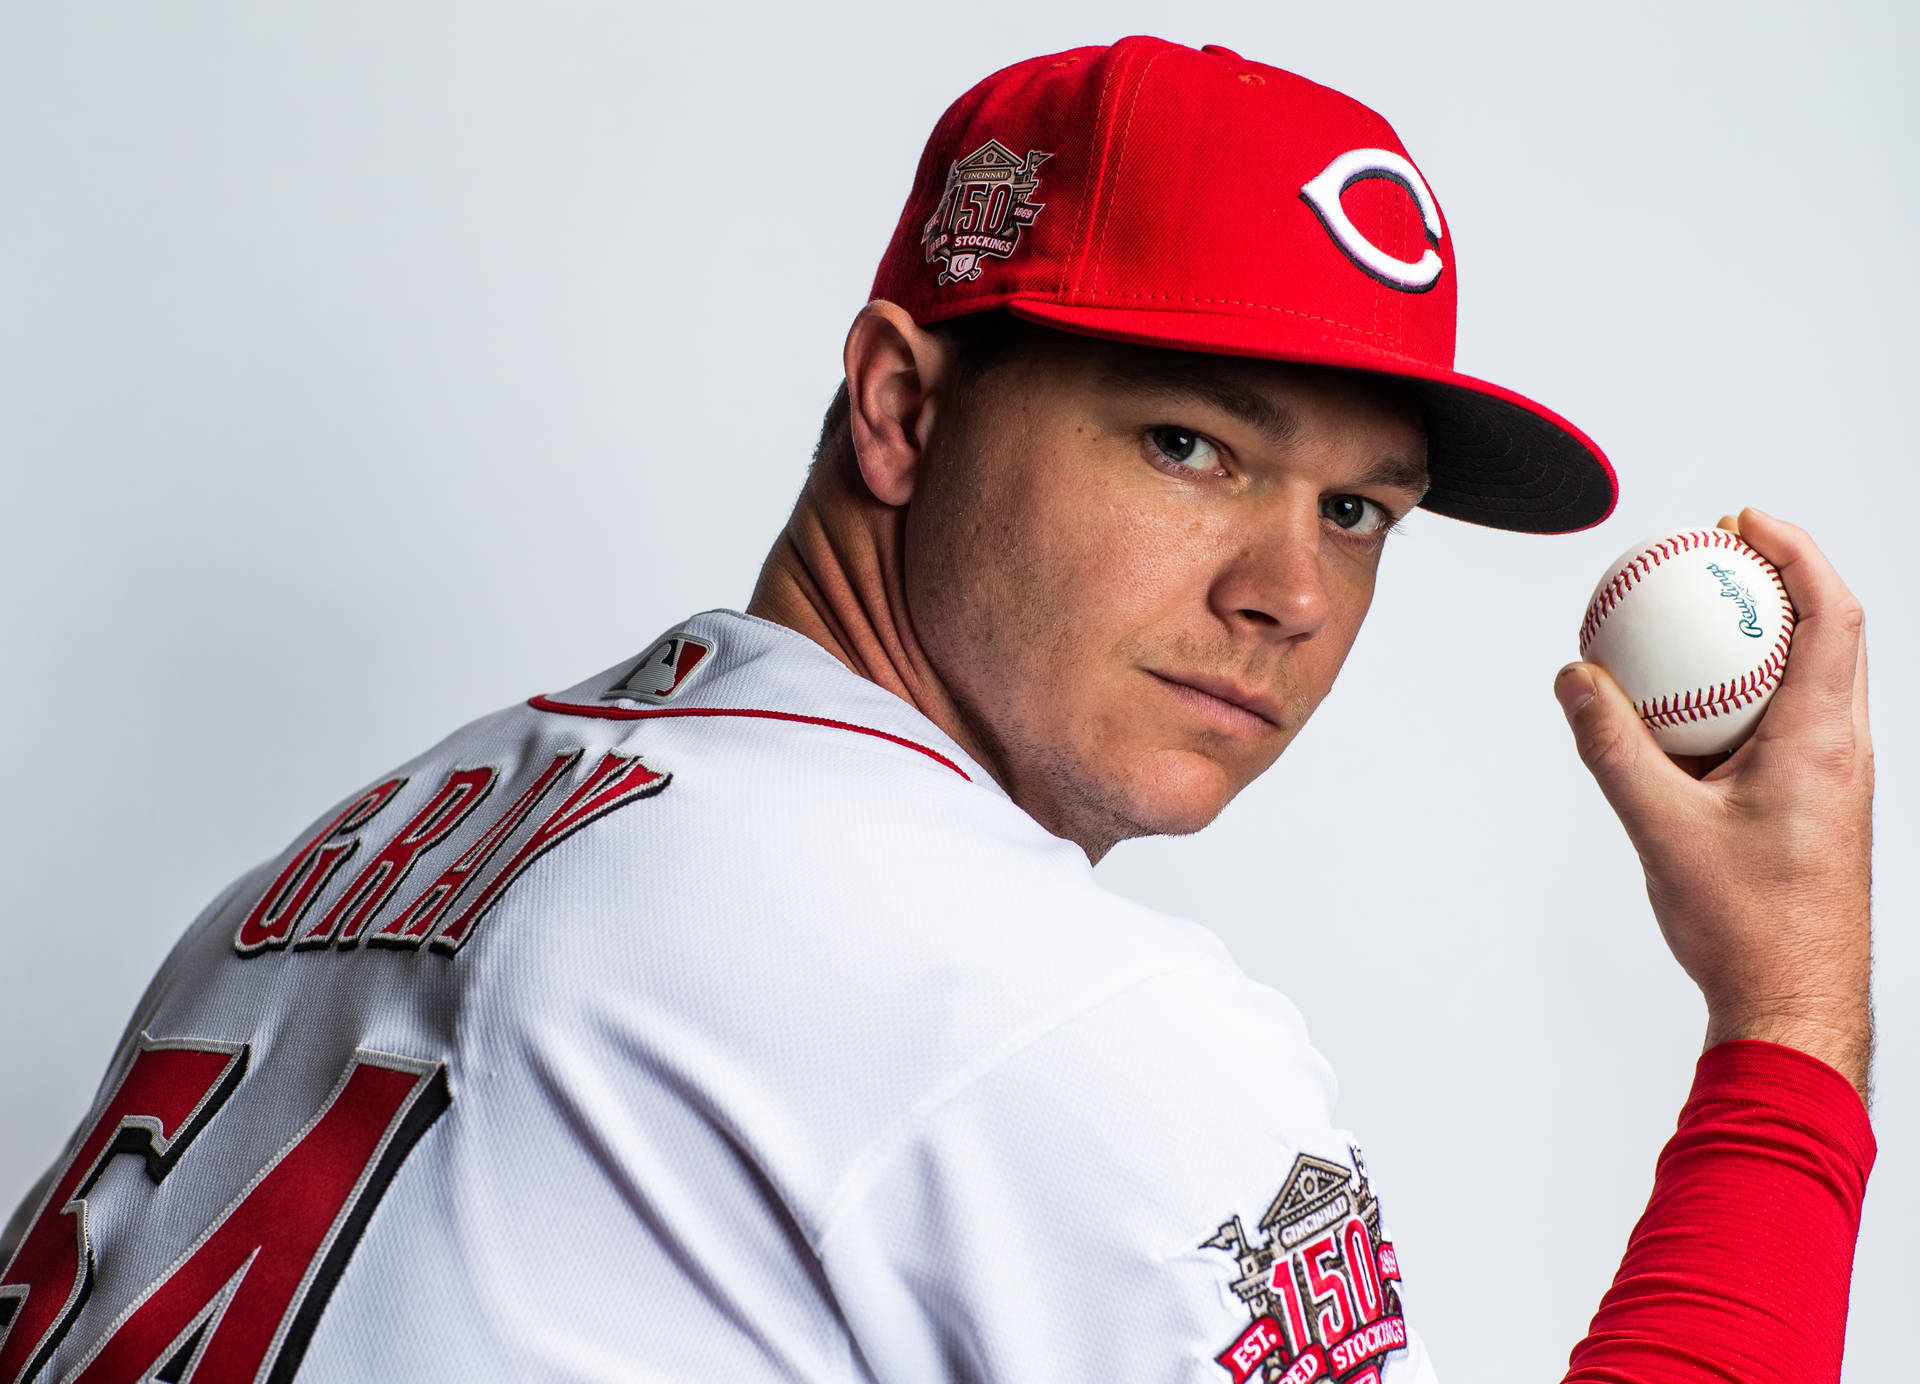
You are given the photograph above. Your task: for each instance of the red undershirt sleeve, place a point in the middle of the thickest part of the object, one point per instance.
(1740, 1266)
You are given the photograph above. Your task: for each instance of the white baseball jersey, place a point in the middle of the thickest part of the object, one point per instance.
(716, 1018)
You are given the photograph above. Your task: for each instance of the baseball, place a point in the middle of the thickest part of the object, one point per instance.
(1695, 627)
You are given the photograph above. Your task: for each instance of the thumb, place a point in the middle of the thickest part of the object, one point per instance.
(1632, 770)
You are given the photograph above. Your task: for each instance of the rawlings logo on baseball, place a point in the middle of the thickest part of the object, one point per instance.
(1749, 612)
(1658, 622)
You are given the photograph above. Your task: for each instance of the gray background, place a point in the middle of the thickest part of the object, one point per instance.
(365, 368)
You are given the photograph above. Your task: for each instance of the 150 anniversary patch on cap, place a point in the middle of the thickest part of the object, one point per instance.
(987, 203)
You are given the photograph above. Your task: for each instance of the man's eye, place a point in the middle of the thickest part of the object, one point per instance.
(1355, 513)
(1188, 450)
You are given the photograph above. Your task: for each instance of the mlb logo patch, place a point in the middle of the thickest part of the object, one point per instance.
(663, 670)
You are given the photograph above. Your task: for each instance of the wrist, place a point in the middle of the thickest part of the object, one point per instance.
(1841, 1036)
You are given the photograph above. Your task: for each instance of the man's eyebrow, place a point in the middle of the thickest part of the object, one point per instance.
(1398, 473)
(1274, 422)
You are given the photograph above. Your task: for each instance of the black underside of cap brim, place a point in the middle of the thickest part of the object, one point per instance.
(1495, 463)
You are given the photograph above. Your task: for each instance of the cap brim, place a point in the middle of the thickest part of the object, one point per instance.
(1494, 457)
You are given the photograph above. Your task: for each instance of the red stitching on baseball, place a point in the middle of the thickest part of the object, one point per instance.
(1638, 567)
(1704, 702)
(1717, 701)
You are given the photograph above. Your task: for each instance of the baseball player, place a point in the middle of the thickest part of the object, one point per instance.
(749, 1009)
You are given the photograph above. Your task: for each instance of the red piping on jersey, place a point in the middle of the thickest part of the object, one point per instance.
(631, 713)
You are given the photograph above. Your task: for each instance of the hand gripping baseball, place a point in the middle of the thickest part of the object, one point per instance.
(1757, 865)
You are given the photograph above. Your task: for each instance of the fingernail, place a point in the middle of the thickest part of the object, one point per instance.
(1573, 685)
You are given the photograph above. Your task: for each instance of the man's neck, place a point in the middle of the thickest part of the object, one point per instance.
(836, 575)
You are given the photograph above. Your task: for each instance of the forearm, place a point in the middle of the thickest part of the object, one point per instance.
(1740, 1266)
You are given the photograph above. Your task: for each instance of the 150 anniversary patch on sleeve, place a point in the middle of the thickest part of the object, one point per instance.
(1322, 1286)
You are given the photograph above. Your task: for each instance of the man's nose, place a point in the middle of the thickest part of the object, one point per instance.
(1276, 580)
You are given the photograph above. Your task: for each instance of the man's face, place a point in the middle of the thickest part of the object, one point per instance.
(1138, 572)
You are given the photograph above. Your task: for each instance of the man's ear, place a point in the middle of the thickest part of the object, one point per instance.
(893, 368)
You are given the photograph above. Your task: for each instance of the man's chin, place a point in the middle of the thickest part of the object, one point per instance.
(1179, 793)
(1163, 792)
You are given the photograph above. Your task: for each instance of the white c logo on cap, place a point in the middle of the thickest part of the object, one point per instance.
(1322, 193)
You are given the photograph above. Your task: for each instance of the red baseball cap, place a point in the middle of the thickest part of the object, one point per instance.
(1151, 193)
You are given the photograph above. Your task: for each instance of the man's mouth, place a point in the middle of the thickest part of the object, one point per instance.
(1229, 705)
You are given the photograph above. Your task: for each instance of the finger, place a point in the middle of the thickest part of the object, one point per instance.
(1729, 522)
(1827, 618)
(1632, 770)
(1862, 736)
